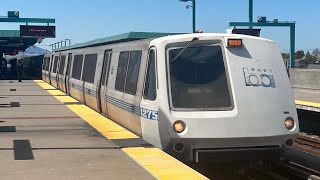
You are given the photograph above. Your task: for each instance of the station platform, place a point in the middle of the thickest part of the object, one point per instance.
(307, 99)
(45, 134)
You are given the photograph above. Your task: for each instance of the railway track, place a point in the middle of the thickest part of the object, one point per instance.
(309, 140)
(303, 159)
(308, 143)
(300, 162)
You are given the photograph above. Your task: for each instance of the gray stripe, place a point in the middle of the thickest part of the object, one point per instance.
(124, 105)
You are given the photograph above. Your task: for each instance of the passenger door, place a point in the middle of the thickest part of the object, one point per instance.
(67, 76)
(149, 107)
(50, 68)
(102, 85)
(57, 71)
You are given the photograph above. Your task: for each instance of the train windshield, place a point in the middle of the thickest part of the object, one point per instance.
(198, 78)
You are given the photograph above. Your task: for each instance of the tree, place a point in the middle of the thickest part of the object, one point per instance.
(285, 56)
(310, 58)
(299, 54)
(316, 53)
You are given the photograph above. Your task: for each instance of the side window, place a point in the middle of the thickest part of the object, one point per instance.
(133, 72)
(122, 70)
(55, 64)
(69, 65)
(150, 89)
(44, 61)
(62, 63)
(77, 66)
(89, 69)
(107, 59)
(47, 63)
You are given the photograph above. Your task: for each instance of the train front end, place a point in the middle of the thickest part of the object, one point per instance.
(224, 97)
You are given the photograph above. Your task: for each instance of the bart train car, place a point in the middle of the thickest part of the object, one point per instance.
(200, 97)
(32, 66)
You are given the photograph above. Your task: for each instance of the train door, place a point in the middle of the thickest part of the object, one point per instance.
(149, 107)
(50, 68)
(47, 70)
(57, 71)
(67, 76)
(44, 61)
(102, 85)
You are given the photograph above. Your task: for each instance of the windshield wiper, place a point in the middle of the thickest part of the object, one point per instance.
(184, 49)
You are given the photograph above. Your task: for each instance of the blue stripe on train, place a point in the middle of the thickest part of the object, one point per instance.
(146, 113)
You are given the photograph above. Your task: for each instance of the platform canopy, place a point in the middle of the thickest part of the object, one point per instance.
(11, 42)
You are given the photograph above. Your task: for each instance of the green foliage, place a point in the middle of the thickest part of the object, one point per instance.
(299, 54)
(316, 53)
(310, 58)
(285, 56)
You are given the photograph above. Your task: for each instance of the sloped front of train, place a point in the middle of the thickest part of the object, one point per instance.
(229, 98)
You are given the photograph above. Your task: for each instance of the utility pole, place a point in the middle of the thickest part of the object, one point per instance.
(193, 12)
(250, 12)
(194, 15)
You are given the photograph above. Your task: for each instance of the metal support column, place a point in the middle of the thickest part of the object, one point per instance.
(275, 24)
(194, 15)
(250, 12)
(292, 45)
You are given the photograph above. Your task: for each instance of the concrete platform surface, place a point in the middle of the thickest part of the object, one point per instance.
(40, 138)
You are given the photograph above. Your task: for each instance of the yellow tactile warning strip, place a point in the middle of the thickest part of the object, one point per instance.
(161, 165)
(65, 99)
(158, 163)
(56, 92)
(44, 85)
(108, 128)
(306, 103)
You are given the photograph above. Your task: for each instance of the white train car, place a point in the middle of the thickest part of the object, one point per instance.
(200, 97)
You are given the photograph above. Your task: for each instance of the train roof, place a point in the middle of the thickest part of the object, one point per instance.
(130, 36)
(179, 36)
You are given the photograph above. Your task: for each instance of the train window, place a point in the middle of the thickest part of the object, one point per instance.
(62, 63)
(47, 63)
(150, 89)
(107, 59)
(68, 65)
(122, 71)
(89, 68)
(55, 64)
(77, 66)
(133, 72)
(198, 78)
(44, 63)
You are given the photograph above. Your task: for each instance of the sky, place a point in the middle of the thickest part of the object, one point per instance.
(81, 20)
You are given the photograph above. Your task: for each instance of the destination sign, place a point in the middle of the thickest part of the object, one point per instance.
(38, 31)
(250, 32)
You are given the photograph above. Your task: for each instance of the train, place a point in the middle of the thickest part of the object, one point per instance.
(199, 97)
(32, 66)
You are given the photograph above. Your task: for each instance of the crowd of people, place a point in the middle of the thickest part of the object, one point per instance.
(15, 69)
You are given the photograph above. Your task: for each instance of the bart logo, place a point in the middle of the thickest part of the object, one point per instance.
(256, 77)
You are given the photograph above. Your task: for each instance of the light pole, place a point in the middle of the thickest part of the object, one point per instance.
(193, 12)
(250, 12)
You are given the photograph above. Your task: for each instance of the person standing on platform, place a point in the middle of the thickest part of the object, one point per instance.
(20, 71)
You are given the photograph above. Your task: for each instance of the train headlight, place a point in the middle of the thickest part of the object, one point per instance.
(179, 126)
(289, 123)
